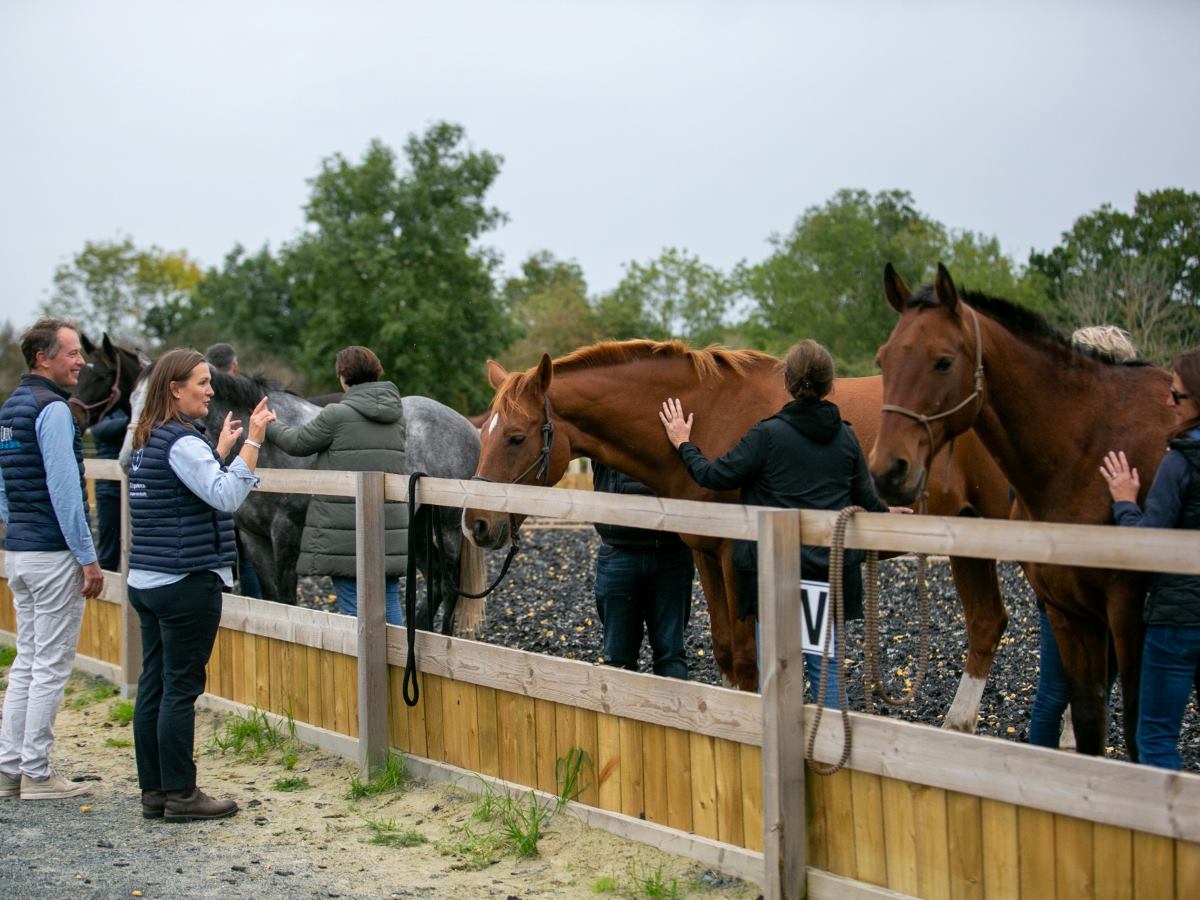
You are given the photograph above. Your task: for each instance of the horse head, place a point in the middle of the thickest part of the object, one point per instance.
(105, 382)
(519, 444)
(932, 366)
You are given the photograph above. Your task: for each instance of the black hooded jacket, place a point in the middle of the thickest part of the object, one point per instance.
(803, 457)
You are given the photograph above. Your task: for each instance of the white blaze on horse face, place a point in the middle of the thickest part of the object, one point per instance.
(494, 423)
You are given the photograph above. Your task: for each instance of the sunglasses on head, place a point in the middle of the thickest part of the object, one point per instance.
(1176, 396)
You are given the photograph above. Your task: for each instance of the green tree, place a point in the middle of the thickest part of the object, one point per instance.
(12, 361)
(134, 294)
(393, 260)
(673, 296)
(549, 304)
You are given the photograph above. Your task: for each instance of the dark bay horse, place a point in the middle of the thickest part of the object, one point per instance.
(604, 401)
(439, 442)
(1047, 412)
(106, 380)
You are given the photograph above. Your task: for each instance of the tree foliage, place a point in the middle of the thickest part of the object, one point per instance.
(136, 295)
(550, 307)
(12, 361)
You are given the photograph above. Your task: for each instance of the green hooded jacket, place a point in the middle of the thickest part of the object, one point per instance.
(362, 433)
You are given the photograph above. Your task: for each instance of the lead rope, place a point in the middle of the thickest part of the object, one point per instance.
(837, 591)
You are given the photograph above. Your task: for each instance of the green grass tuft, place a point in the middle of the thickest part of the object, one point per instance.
(292, 783)
(387, 834)
(121, 712)
(118, 742)
(605, 884)
(250, 737)
(94, 690)
(392, 777)
(652, 885)
(7, 654)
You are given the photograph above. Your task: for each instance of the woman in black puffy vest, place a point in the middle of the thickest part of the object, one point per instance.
(1171, 657)
(181, 504)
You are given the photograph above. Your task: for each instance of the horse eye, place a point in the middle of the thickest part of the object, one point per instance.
(515, 439)
(943, 364)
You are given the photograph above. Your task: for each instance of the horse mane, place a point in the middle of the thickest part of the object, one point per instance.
(707, 362)
(1023, 322)
(242, 391)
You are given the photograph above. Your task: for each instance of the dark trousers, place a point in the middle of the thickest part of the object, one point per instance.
(108, 525)
(179, 626)
(1170, 670)
(644, 591)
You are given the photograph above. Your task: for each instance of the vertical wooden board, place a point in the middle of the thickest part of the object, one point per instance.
(453, 740)
(397, 718)
(654, 774)
(287, 693)
(1112, 861)
(814, 802)
(249, 667)
(237, 665)
(329, 691)
(729, 792)
(469, 726)
(418, 742)
(112, 633)
(1073, 846)
(608, 763)
(839, 819)
(275, 686)
(431, 700)
(262, 672)
(1035, 832)
(341, 693)
(547, 744)
(1000, 861)
(228, 663)
(83, 644)
(564, 740)
(212, 668)
(298, 681)
(587, 741)
(1187, 866)
(312, 659)
(350, 680)
(679, 780)
(633, 800)
(489, 745)
(1153, 866)
(900, 835)
(964, 832)
(517, 731)
(752, 808)
(870, 851)
(704, 786)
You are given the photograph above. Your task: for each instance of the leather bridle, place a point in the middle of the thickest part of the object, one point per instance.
(114, 396)
(542, 463)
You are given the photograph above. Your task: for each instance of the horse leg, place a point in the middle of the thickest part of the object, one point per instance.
(259, 550)
(1128, 634)
(742, 631)
(712, 579)
(983, 610)
(1083, 645)
(286, 551)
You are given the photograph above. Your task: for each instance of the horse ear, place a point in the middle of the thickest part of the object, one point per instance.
(496, 374)
(545, 372)
(944, 289)
(110, 352)
(87, 345)
(895, 289)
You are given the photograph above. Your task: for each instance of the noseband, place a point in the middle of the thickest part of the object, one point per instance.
(108, 402)
(976, 394)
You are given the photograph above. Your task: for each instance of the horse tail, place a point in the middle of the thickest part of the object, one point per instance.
(472, 579)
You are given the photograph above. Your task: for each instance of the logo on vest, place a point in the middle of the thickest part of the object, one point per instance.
(135, 461)
(7, 442)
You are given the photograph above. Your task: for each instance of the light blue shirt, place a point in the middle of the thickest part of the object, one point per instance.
(55, 427)
(192, 459)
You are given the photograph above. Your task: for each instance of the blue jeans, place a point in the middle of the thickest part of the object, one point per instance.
(1170, 668)
(644, 591)
(812, 670)
(346, 590)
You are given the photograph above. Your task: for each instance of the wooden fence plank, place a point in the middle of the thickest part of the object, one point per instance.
(815, 816)
(870, 849)
(431, 703)
(1035, 833)
(564, 740)
(275, 688)
(468, 712)
(453, 739)
(316, 708)
(633, 801)
(704, 785)
(515, 722)
(900, 835)
(262, 672)
(417, 732)
(489, 744)
(839, 824)
(299, 682)
(1153, 866)
(1187, 866)
(587, 740)
(964, 829)
(398, 720)
(752, 808)
(1073, 846)
(1112, 859)
(371, 623)
(547, 744)
(608, 763)
(933, 859)
(730, 827)
(654, 773)
(228, 665)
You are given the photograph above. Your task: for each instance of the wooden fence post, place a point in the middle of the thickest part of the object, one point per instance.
(781, 671)
(131, 629)
(372, 623)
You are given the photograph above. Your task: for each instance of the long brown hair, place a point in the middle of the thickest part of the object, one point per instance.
(1187, 367)
(160, 406)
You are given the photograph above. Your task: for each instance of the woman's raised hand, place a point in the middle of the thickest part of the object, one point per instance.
(679, 429)
(260, 418)
(231, 430)
(1123, 481)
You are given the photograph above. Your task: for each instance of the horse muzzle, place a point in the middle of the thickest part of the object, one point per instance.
(484, 530)
(899, 483)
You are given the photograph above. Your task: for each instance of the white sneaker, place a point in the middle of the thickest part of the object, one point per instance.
(9, 786)
(53, 787)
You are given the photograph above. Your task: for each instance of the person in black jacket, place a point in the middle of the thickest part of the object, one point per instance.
(803, 457)
(1171, 657)
(643, 583)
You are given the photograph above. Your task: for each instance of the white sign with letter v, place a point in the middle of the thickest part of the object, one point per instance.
(816, 617)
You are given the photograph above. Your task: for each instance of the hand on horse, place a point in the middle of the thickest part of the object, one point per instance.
(679, 429)
(231, 430)
(1123, 481)
(260, 418)
(900, 510)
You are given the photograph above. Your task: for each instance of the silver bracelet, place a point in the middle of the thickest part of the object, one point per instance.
(255, 444)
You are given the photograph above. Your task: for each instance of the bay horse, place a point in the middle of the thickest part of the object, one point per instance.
(604, 401)
(106, 380)
(439, 442)
(1047, 411)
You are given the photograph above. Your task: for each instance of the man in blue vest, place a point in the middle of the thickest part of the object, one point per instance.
(50, 560)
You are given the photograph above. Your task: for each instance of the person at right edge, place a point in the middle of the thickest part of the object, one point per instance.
(803, 457)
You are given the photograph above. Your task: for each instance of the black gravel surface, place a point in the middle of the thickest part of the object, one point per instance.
(547, 605)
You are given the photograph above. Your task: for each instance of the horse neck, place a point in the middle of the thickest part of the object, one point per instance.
(1048, 423)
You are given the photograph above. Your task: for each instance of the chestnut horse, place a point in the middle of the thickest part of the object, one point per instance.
(1047, 412)
(604, 403)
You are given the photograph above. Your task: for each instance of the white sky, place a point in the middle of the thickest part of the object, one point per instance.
(625, 127)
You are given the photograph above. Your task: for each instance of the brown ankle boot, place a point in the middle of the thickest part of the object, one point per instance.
(188, 806)
(153, 803)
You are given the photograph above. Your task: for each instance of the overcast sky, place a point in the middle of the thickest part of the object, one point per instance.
(625, 127)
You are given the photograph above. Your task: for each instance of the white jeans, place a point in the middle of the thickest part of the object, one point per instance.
(47, 596)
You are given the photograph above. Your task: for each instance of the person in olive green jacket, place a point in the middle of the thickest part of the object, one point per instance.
(362, 433)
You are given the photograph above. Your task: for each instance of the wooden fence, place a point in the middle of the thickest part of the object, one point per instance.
(706, 772)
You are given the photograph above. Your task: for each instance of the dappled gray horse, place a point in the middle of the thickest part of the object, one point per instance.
(439, 442)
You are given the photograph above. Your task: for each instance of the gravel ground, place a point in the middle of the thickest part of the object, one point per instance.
(546, 605)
